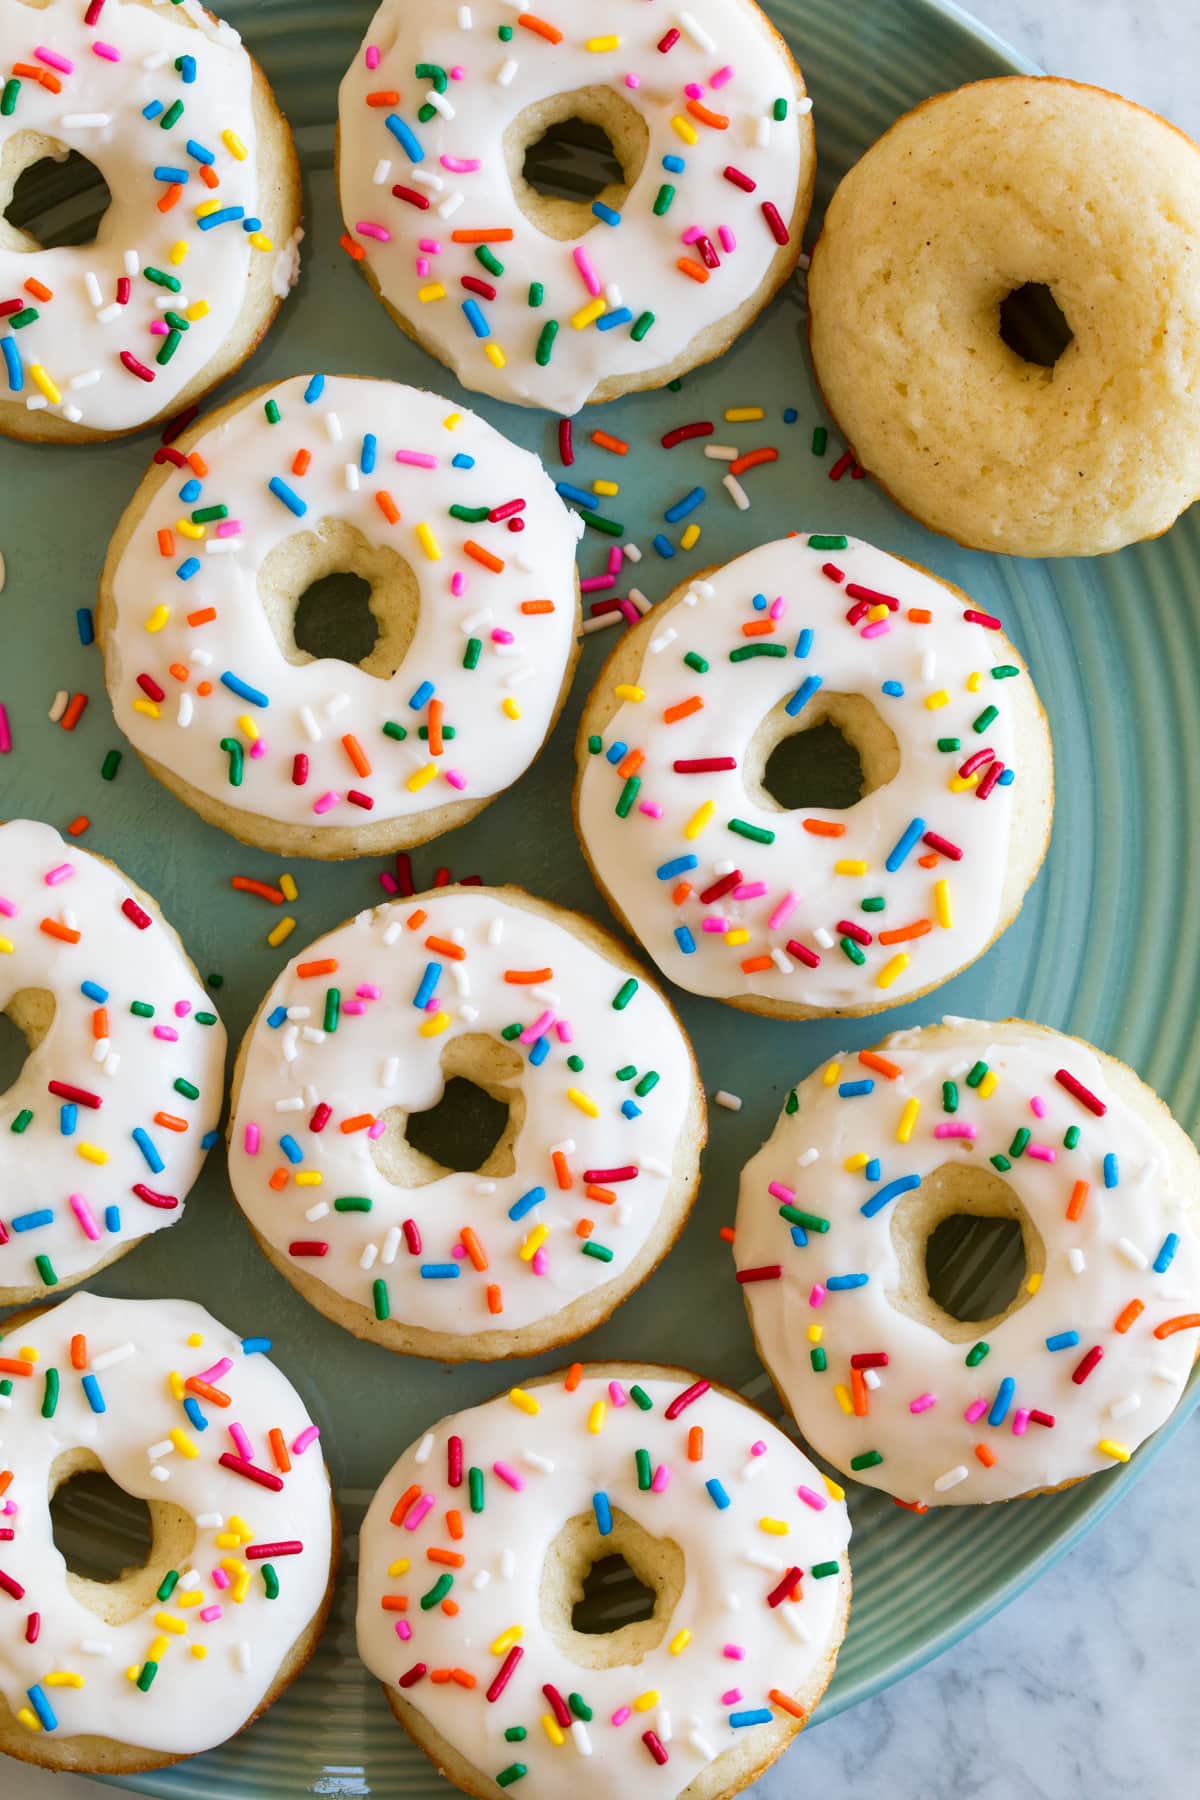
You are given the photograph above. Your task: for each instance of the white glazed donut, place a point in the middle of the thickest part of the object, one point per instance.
(104, 1131)
(477, 619)
(588, 1185)
(811, 911)
(173, 1657)
(199, 243)
(509, 1504)
(1012, 1121)
(550, 302)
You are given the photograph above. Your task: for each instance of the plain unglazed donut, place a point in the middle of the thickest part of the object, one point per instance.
(105, 1129)
(1094, 1348)
(199, 243)
(476, 619)
(797, 913)
(173, 1657)
(742, 1541)
(552, 302)
(968, 198)
(587, 1186)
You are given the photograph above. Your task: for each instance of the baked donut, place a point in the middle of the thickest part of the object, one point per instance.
(474, 621)
(546, 300)
(587, 1185)
(784, 907)
(1093, 1345)
(173, 1657)
(106, 1127)
(198, 246)
(968, 416)
(742, 1541)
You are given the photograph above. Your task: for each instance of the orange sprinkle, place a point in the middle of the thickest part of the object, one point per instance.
(441, 1676)
(170, 1121)
(326, 966)
(74, 712)
(180, 671)
(499, 234)
(170, 197)
(215, 1396)
(531, 22)
(602, 1195)
(913, 1506)
(100, 1022)
(387, 507)
(929, 862)
(785, 1703)
(824, 828)
(31, 71)
(754, 965)
(463, 1677)
(246, 884)
(753, 458)
(1127, 1315)
(607, 441)
(902, 934)
(6, 1476)
(682, 709)
(78, 826)
(562, 1171)
(537, 606)
(357, 754)
(687, 265)
(1182, 1322)
(1078, 1200)
(494, 1302)
(417, 919)
(65, 933)
(574, 1377)
(450, 1608)
(727, 1234)
(717, 120)
(585, 1228)
(301, 462)
(680, 893)
(78, 1357)
(985, 1456)
(444, 947)
(205, 616)
(394, 1602)
(38, 289)
(384, 97)
(354, 251)
(452, 1559)
(480, 555)
(473, 1248)
(919, 615)
(454, 1524)
(528, 977)
(166, 542)
(871, 1059)
(279, 1449)
(14, 1365)
(758, 628)
(359, 1122)
(209, 176)
(629, 765)
(204, 689)
(437, 709)
(407, 1499)
(279, 1179)
(197, 464)
(858, 1388)
(695, 1443)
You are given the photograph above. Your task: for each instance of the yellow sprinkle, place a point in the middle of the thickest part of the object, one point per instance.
(833, 1488)
(179, 250)
(690, 536)
(584, 1102)
(850, 866)
(533, 1243)
(875, 613)
(401, 1566)
(167, 1622)
(92, 1153)
(205, 207)
(228, 1540)
(891, 970)
(974, 681)
(234, 145)
(6, 946)
(452, 421)
(434, 1027)
(935, 701)
(689, 134)
(988, 1085)
(943, 905)
(495, 355)
(774, 1527)
(194, 1339)
(429, 543)
(249, 727)
(29, 1718)
(158, 1649)
(148, 707)
(62, 1678)
(421, 779)
(1118, 1452)
(815, 1333)
(608, 488)
(958, 784)
(552, 1729)
(645, 1701)
(854, 1163)
(433, 290)
(596, 1417)
(308, 1178)
(158, 618)
(1034, 1283)
(133, 1671)
(241, 1586)
(197, 310)
(625, 690)
(28, 1354)
(186, 528)
(525, 1401)
(510, 708)
(238, 1524)
(587, 315)
(603, 43)
(908, 1119)
(284, 929)
(287, 886)
(679, 1642)
(699, 820)
(44, 382)
(183, 1443)
(175, 1384)
(830, 1074)
(200, 1651)
(260, 241)
(739, 935)
(503, 1644)
(742, 415)
(193, 1597)
(842, 1396)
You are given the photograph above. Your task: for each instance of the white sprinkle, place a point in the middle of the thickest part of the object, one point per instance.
(184, 712)
(663, 1724)
(288, 1046)
(659, 644)
(392, 931)
(94, 291)
(871, 1377)
(59, 706)
(731, 1102)
(929, 665)
(697, 33)
(163, 1448)
(317, 1212)
(791, 1618)
(299, 1013)
(160, 1473)
(440, 103)
(313, 1035)
(367, 1259)
(721, 452)
(471, 625)
(113, 1064)
(542, 1464)
(133, 265)
(88, 378)
(508, 1563)
(495, 930)
(424, 1448)
(506, 72)
(485, 1187)
(701, 1746)
(293, 1103)
(223, 546)
(312, 730)
(804, 107)
(197, 655)
(612, 295)
(733, 1602)
(241, 1657)
(601, 623)
(85, 121)
(108, 313)
(583, 1742)
(1128, 1403)
(761, 1559)
(1077, 1260)
(352, 483)
(388, 1071)
(753, 1467)
(632, 553)
(1132, 1254)
(950, 1479)
(481, 1580)
(782, 961)
(703, 590)
(724, 867)
(464, 18)
(762, 131)
(639, 600)
(94, 1646)
(210, 1521)
(424, 179)
(381, 171)
(468, 1014)
(565, 1148)
(102, 1047)
(650, 1165)
(333, 426)
(391, 1244)
(337, 703)
(450, 205)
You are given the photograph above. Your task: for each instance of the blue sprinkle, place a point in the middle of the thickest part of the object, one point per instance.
(615, 752)
(759, 603)
(631, 1109)
(144, 1143)
(873, 1170)
(276, 1017)
(1112, 1172)
(676, 164)
(663, 545)
(243, 690)
(526, 1203)
(405, 137)
(475, 318)
(1007, 778)
(579, 496)
(95, 1398)
(209, 1139)
(790, 415)
(187, 70)
(190, 490)
(366, 461)
(251, 224)
(603, 1512)
(291, 1148)
(685, 940)
(421, 696)
(429, 981)
(850, 1090)
(802, 695)
(256, 1346)
(188, 567)
(1003, 1401)
(439, 1271)
(903, 1184)
(112, 1218)
(804, 642)
(679, 865)
(68, 1118)
(191, 1407)
(838, 1283)
(290, 498)
(164, 173)
(462, 461)
(314, 390)
(93, 991)
(756, 1715)
(717, 1494)
(31, 1220)
(540, 1051)
(1166, 1255)
(199, 152)
(799, 1236)
(1062, 1340)
(606, 213)
(895, 689)
(38, 1700)
(12, 362)
(152, 110)
(227, 215)
(687, 505)
(610, 320)
(909, 838)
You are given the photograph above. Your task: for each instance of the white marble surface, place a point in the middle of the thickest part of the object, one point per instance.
(1084, 1689)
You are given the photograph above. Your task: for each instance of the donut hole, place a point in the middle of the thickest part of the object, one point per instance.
(1033, 324)
(51, 197)
(569, 150)
(607, 1601)
(25, 1019)
(472, 1126)
(116, 1546)
(331, 593)
(966, 1248)
(833, 755)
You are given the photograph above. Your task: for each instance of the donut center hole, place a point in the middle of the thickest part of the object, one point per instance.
(471, 1126)
(568, 152)
(27, 1017)
(1033, 324)
(837, 752)
(330, 593)
(116, 1546)
(50, 197)
(607, 1599)
(966, 1247)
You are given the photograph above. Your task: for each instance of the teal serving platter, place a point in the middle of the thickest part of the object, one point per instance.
(1106, 946)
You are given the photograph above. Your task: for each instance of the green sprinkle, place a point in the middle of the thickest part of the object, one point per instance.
(758, 834)
(215, 981)
(820, 438)
(45, 1269)
(472, 653)
(437, 1593)
(470, 515)
(167, 1585)
(234, 752)
(948, 744)
(448, 732)
(270, 1582)
(1020, 1140)
(870, 1459)
(172, 115)
(627, 1072)
(818, 1359)
(505, 35)
(985, 718)
(976, 1354)
(825, 1568)
(180, 324)
(509, 1032)
(160, 278)
(873, 903)
(1070, 1137)
(663, 198)
(516, 1734)
(28, 315)
(645, 1473)
(379, 1294)
(22, 1121)
(595, 745)
(629, 794)
(170, 345)
(205, 1018)
(695, 661)
(977, 1073)
(272, 411)
(1000, 1162)
(779, 111)
(647, 1084)
(110, 765)
(514, 1771)
(579, 1707)
(745, 651)
(6, 1387)
(187, 1088)
(950, 1096)
(204, 515)
(491, 263)
(792, 1104)
(475, 1489)
(601, 1252)
(537, 293)
(1003, 671)
(148, 1671)
(675, 386)
(625, 994)
(852, 951)
(545, 343)
(641, 326)
(392, 730)
(641, 1398)
(333, 1007)
(810, 1221)
(827, 543)
(142, 1008)
(597, 521)
(575, 1063)
(8, 99)
(50, 1396)
(352, 1203)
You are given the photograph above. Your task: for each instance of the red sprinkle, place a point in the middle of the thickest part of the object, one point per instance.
(845, 461)
(285, 1547)
(411, 197)
(778, 229)
(11, 1587)
(135, 367)
(988, 780)
(681, 433)
(739, 178)
(768, 1272)
(81, 1096)
(558, 1705)
(33, 1626)
(784, 1588)
(870, 1359)
(981, 618)
(602, 1177)
(404, 874)
(411, 1676)
(667, 42)
(320, 1117)
(135, 914)
(1084, 1095)
(308, 1247)
(1085, 1365)
(566, 448)
(696, 1392)
(504, 1674)
(299, 769)
(454, 1462)
(832, 572)
(808, 957)
(857, 932)
(700, 765)
(651, 1739)
(412, 1237)
(722, 886)
(165, 1202)
(261, 1477)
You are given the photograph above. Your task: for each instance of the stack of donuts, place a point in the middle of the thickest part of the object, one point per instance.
(476, 1550)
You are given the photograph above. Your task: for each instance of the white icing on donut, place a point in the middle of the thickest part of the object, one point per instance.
(217, 1640)
(413, 976)
(1133, 1241)
(616, 296)
(90, 86)
(493, 639)
(666, 843)
(104, 1130)
(751, 1508)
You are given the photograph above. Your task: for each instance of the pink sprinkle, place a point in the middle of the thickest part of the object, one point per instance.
(617, 1394)
(167, 1033)
(456, 778)
(778, 1191)
(817, 1501)
(1020, 1423)
(432, 1006)
(622, 1713)
(182, 1008)
(62, 63)
(63, 872)
(458, 1251)
(388, 882)
(758, 1448)
(381, 234)
(355, 1007)
(218, 1369)
(541, 1262)
(403, 1629)
(241, 1442)
(377, 1129)
(460, 165)
(563, 1032)
(955, 1131)
(786, 907)
(778, 607)
(506, 1473)
(417, 459)
(109, 52)
(325, 802)
(749, 890)
(423, 265)
(651, 808)
(7, 908)
(1037, 1107)
(369, 990)
(816, 1295)
(662, 1476)
(597, 584)
(714, 923)
(417, 1512)
(616, 557)
(721, 77)
(1041, 1152)
(251, 1138)
(879, 629)
(372, 56)
(501, 636)
(458, 584)
(211, 1613)
(734, 1652)
(430, 246)
(229, 528)
(532, 1032)
(922, 1403)
(259, 748)
(308, 1436)
(693, 234)
(5, 733)
(220, 1578)
(975, 1411)
(633, 81)
(83, 1213)
(731, 1696)
(694, 90)
(159, 329)
(458, 73)
(583, 263)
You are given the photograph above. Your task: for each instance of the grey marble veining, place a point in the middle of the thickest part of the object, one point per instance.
(1084, 1688)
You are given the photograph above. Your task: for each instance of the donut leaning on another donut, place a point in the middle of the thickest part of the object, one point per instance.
(969, 198)
(199, 242)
